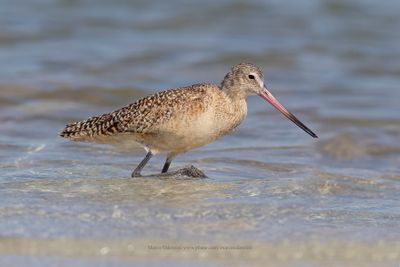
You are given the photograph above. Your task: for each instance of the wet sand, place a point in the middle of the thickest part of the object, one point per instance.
(294, 200)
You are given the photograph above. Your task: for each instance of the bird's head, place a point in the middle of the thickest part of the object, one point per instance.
(247, 79)
(243, 80)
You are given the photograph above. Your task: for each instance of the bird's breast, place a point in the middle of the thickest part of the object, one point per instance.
(209, 125)
(197, 126)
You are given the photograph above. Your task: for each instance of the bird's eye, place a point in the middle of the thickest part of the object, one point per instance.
(251, 77)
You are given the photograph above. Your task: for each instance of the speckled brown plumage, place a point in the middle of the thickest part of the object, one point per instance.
(141, 116)
(160, 121)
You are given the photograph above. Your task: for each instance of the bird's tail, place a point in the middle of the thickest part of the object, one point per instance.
(90, 128)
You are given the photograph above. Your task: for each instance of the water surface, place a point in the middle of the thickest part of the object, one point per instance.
(274, 194)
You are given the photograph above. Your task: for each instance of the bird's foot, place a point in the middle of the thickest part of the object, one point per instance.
(186, 172)
(190, 171)
(135, 174)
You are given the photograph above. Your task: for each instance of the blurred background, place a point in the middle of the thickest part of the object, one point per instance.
(278, 195)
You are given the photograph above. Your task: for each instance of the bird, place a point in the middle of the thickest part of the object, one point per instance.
(177, 120)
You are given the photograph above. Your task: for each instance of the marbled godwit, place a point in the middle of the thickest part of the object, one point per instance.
(178, 120)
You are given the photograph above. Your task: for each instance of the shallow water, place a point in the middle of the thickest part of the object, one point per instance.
(274, 194)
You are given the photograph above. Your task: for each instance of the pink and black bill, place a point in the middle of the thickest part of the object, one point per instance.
(273, 101)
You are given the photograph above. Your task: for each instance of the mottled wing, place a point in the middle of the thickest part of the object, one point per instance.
(150, 113)
(143, 116)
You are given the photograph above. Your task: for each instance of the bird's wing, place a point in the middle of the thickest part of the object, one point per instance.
(142, 116)
(147, 114)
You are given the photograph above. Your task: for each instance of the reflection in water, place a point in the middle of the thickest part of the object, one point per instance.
(297, 199)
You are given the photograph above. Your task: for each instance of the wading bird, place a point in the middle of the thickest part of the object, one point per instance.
(178, 120)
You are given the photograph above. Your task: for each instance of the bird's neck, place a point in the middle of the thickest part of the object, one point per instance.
(235, 102)
(235, 93)
(232, 109)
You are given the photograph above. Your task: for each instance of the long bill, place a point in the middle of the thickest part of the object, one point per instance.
(273, 101)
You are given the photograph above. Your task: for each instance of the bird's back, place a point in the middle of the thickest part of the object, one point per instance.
(147, 115)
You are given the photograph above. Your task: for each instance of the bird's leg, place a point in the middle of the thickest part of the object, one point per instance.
(166, 166)
(189, 171)
(138, 169)
(168, 161)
